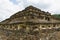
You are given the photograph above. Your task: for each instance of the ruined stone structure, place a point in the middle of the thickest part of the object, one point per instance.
(30, 24)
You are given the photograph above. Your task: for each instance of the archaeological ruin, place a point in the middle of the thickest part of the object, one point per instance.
(30, 24)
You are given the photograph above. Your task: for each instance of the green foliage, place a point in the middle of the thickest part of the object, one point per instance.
(56, 15)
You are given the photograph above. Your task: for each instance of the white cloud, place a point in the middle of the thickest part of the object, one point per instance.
(7, 9)
(54, 6)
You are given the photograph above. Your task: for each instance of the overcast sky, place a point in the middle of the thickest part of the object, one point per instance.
(9, 7)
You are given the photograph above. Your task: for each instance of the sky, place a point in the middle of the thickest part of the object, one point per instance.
(9, 7)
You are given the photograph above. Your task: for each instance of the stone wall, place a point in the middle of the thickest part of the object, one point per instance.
(26, 32)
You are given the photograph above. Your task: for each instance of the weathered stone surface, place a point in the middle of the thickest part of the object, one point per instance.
(30, 24)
